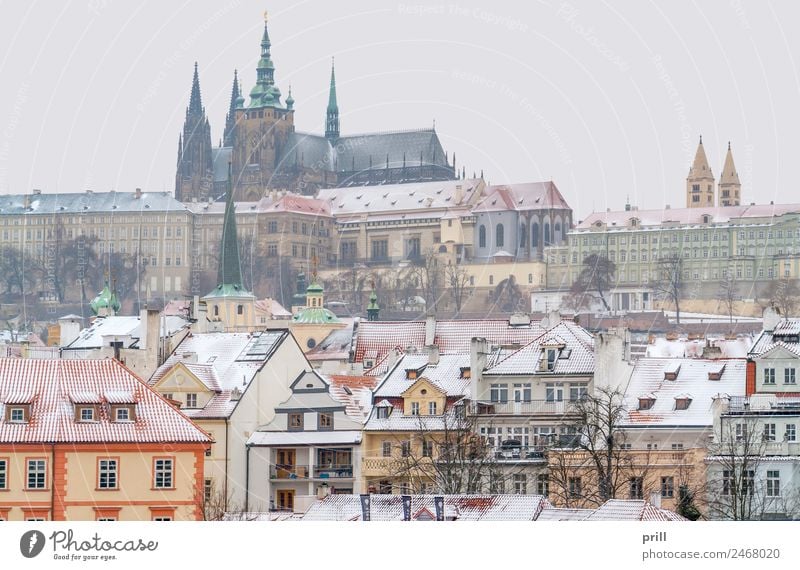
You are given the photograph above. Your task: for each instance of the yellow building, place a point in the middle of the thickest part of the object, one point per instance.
(312, 323)
(88, 440)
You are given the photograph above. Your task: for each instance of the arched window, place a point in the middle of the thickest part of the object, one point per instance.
(546, 233)
(523, 236)
(482, 236)
(216, 310)
(534, 235)
(239, 309)
(558, 232)
(500, 235)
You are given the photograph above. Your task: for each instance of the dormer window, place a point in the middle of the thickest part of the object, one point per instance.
(87, 414)
(716, 374)
(672, 370)
(646, 402)
(682, 402)
(122, 413)
(549, 357)
(412, 373)
(383, 413)
(414, 408)
(465, 372)
(191, 400)
(17, 415)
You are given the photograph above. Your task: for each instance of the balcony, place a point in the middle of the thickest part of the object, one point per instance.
(330, 471)
(529, 408)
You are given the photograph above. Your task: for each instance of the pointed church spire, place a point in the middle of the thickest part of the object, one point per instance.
(195, 102)
(700, 182)
(230, 271)
(265, 93)
(332, 113)
(230, 119)
(730, 189)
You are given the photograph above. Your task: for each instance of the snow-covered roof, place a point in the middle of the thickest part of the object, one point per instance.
(685, 348)
(355, 392)
(445, 375)
(399, 421)
(223, 362)
(575, 357)
(632, 510)
(648, 378)
(295, 438)
(785, 334)
(51, 385)
(104, 329)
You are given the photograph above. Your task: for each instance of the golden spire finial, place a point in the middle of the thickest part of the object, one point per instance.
(266, 16)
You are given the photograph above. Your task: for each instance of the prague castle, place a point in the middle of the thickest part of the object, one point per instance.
(265, 152)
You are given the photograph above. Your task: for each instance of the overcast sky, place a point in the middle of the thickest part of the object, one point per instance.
(605, 98)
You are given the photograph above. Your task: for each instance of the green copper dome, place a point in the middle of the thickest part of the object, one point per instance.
(106, 299)
(314, 316)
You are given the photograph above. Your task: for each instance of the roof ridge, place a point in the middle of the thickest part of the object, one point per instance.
(390, 132)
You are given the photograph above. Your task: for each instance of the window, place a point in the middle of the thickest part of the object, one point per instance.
(499, 235)
(542, 485)
(499, 393)
(636, 487)
(239, 309)
(741, 432)
(123, 414)
(677, 446)
(574, 484)
(554, 392)
(191, 400)
(208, 489)
(522, 392)
(386, 448)
(162, 519)
(769, 432)
(107, 474)
(431, 408)
(414, 408)
(37, 473)
(405, 448)
(769, 376)
(791, 432)
(295, 422)
(380, 249)
(520, 484)
(667, 487)
(727, 482)
(577, 392)
(773, 483)
(789, 376)
(325, 421)
(16, 415)
(3, 473)
(749, 482)
(427, 448)
(482, 236)
(162, 473)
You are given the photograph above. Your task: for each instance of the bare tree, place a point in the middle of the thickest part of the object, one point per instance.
(596, 276)
(508, 296)
(785, 295)
(214, 505)
(428, 275)
(669, 283)
(591, 463)
(458, 280)
(729, 293)
(446, 455)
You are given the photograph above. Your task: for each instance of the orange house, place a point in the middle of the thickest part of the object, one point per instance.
(89, 440)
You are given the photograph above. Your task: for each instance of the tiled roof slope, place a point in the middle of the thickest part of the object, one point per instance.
(648, 378)
(51, 387)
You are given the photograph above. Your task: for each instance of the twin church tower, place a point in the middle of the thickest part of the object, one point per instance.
(700, 190)
(265, 152)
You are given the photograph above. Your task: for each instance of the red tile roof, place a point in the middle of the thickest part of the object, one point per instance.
(49, 386)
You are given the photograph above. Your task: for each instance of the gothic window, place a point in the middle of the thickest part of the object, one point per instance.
(546, 233)
(500, 235)
(558, 232)
(482, 236)
(535, 235)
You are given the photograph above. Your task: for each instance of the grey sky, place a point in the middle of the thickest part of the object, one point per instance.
(605, 98)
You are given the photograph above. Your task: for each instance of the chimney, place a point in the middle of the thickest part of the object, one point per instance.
(655, 499)
(771, 317)
(37, 191)
(365, 508)
(553, 318)
(611, 359)
(137, 194)
(458, 197)
(433, 354)
(430, 329)
(69, 329)
(519, 320)
(478, 351)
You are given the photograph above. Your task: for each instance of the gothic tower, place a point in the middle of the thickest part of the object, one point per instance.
(730, 189)
(332, 113)
(261, 131)
(195, 173)
(230, 119)
(700, 182)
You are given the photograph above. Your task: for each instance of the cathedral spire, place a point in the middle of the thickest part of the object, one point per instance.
(730, 188)
(230, 271)
(332, 115)
(195, 102)
(700, 182)
(264, 92)
(230, 118)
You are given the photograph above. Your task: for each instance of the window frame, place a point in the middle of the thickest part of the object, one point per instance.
(170, 472)
(325, 421)
(193, 396)
(667, 486)
(115, 472)
(43, 473)
(4, 462)
(300, 426)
